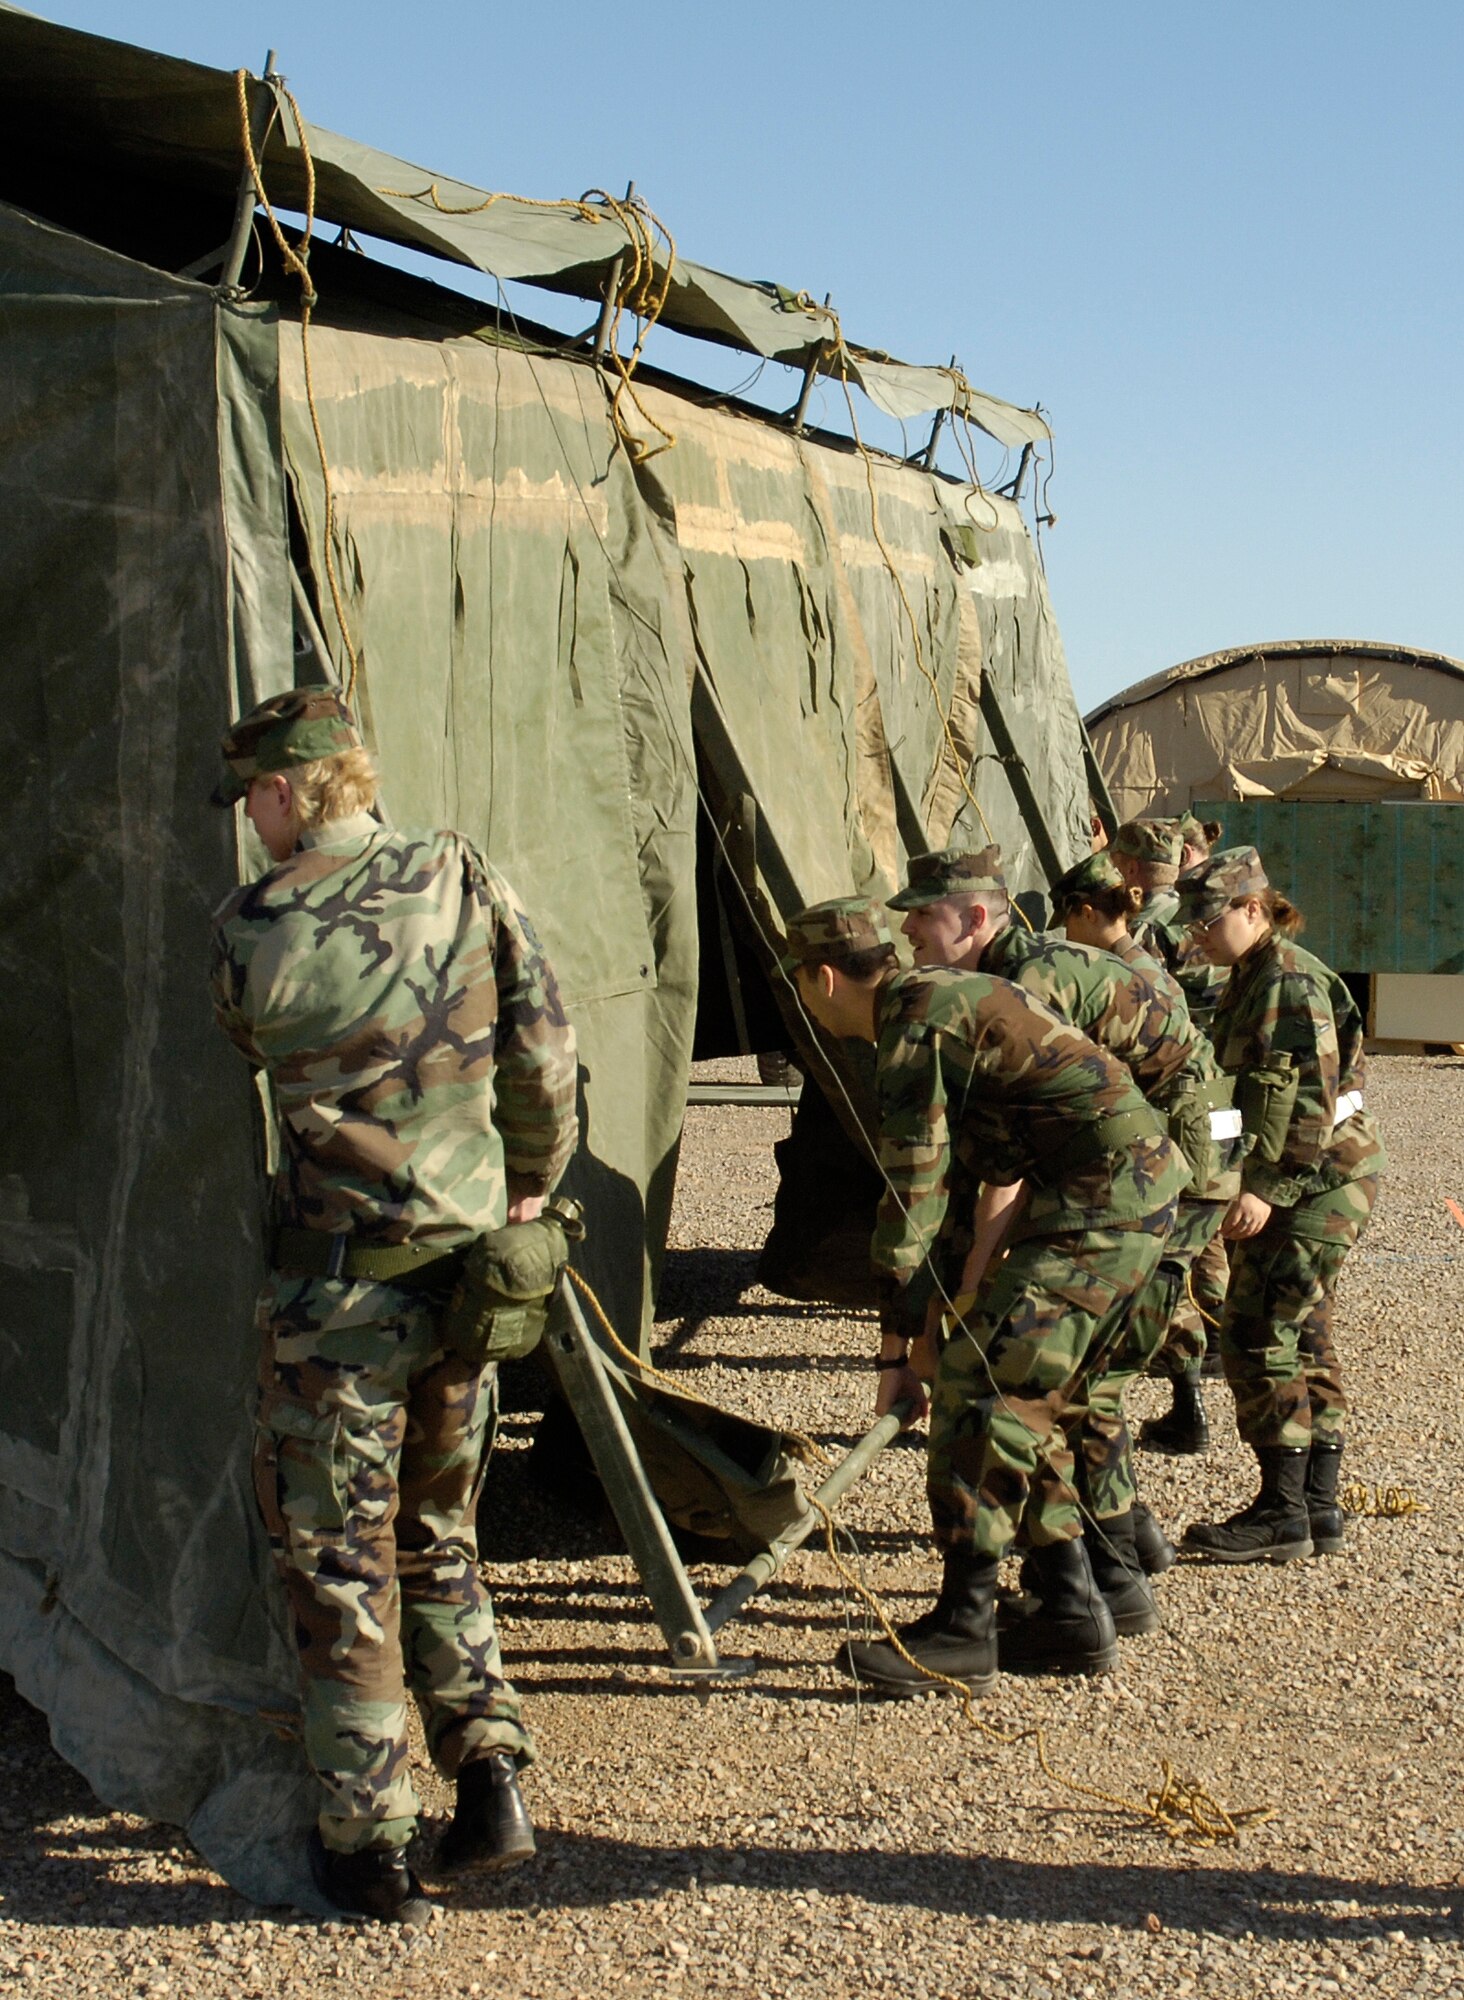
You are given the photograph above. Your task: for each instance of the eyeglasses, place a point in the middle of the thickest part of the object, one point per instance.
(1203, 924)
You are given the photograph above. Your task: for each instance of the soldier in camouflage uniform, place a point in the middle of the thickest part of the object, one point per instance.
(1094, 905)
(1288, 1032)
(958, 913)
(1153, 856)
(391, 988)
(979, 1082)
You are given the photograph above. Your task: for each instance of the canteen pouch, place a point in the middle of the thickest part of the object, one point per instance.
(500, 1306)
(1267, 1097)
(1188, 1110)
(1188, 1114)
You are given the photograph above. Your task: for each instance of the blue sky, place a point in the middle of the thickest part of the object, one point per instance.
(1219, 243)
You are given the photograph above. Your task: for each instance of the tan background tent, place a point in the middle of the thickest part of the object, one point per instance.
(1323, 719)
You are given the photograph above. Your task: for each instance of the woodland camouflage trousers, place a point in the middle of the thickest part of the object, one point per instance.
(370, 1447)
(1195, 1321)
(1011, 1388)
(1276, 1338)
(1107, 1467)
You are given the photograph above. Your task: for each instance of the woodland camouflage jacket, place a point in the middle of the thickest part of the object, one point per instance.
(1280, 1000)
(978, 1080)
(1119, 1006)
(1201, 1064)
(391, 986)
(1201, 982)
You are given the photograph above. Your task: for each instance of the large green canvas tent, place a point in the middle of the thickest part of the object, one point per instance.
(589, 665)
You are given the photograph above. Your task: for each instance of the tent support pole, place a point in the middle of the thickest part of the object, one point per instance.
(686, 1627)
(799, 410)
(927, 457)
(607, 310)
(1013, 489)
(582, 1376)
(1098, 785)
(261, 117)
(810, 375)
(764, 1566)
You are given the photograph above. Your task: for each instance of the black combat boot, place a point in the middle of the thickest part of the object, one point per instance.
(956, 1637)
(1155, 1550)
(1067, 1627)
(376, 1882)
(1324, 1463)
(491, 1830)
(1114, 1559)
(1274, 1528)
(1185, 1428)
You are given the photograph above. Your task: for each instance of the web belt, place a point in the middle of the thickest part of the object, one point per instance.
(316, 1253)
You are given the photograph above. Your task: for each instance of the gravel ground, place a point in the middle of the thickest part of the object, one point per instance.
(780, 1835)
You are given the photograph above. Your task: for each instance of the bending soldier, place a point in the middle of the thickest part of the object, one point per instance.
(978, 1081)
(958, 913)
(392, 990)
(1287, 1030)
(1154, 857)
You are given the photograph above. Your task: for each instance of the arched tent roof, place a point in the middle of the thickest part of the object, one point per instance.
(1323, 719)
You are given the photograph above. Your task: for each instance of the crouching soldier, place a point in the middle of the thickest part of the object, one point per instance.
(978, 1081)
(392, 990)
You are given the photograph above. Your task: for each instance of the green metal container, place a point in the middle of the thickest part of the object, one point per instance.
(1381, 885)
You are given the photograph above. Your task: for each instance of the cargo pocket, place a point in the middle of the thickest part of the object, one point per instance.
(299, 1474)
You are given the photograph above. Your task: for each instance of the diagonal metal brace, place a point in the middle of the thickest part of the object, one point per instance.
(686, 1627)
(587, 1386)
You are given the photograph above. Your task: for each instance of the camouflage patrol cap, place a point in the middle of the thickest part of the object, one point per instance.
(1155, 841)
(291, 728)
(1191, 831)
(1211, 887)
(835, 932)
(950, 872)
(1092, 876)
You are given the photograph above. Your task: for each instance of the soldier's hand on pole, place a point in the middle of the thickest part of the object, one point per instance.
(901, 1385)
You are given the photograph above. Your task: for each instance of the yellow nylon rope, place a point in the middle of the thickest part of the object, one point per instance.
(297, 261)
(642, 288)
(1384, 1503)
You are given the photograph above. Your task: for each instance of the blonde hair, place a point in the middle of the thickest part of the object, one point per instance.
(333, 787)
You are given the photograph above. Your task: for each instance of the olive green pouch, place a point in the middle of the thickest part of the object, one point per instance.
(1267, 1097)
(501, 1305)
(1188, 1113)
